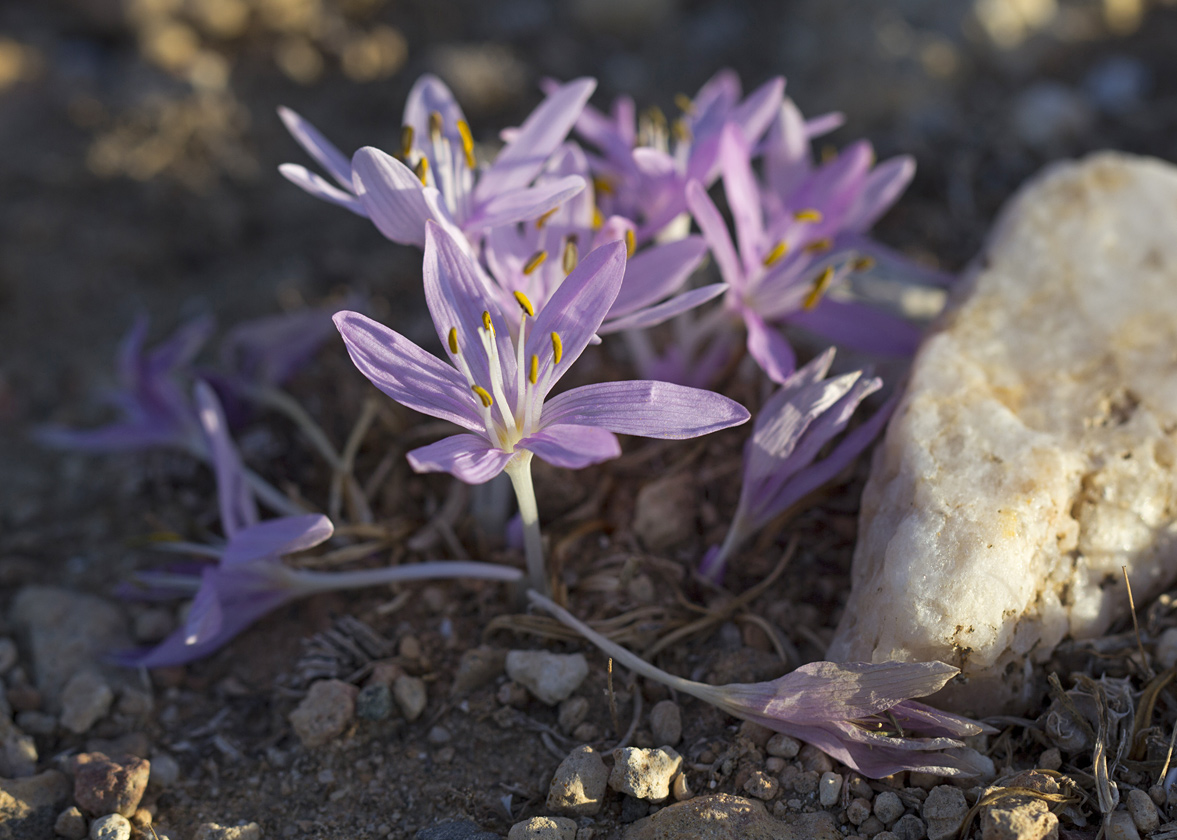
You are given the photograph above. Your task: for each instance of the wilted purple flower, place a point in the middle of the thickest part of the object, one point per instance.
(791, 429)
(150, 397)
(859, 713)
(250, 578)
(782, 266)
(500, 377)
(535, 258)
(435, 176)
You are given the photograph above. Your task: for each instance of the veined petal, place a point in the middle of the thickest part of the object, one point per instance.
(522, 159)
(276, 538)
(769, 348)
(390, 194)
(405, 372)
(662, 312)
(743, 197)
(862, 327)
(715, 232)
(883, 186)
(317, 146)
(238, 508)
(653, 273)
(524, 204)
(429, 94)
(467, 457)
(319, 187)
(646, 408)
(573, 447)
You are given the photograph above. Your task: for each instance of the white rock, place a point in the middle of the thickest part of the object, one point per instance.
(110, 827)
(1029, 459)
(644, 774)
(578, 785)
(543, 828)
(85, 700)
(410, 695)
(829, 787)
(550, 677)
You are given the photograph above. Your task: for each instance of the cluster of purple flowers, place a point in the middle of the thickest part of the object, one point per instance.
(528, 260)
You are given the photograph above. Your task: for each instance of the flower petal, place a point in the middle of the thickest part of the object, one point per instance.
(319, 187)
(859, 326)
(390, 194)
(663, 312)
(743, 197)
(646, 408)
(276, 538)
(405, 372)
(882, 188)
(205, 616)
(467, 457)
(318, 147)
(716, 233)
(524, 204)
(238, 508)
(653, 273)
(755, 114)
(573, 447)
(769, 348)
(429, 94)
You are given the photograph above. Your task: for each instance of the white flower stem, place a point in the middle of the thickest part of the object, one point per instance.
(433, 570)
(519, 470)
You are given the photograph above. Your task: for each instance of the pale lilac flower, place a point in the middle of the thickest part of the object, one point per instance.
(535, 258)
(151, 398)
(435, 176)
(782, 265)
(249, 578)
(780, 459)
(859, 713)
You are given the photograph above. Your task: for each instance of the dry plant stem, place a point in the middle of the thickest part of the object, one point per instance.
(519, 469)
(433, 570)
(343, 474)
(1136, 626)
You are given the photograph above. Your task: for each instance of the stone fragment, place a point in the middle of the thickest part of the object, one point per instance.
(543, 828)
(213, 831)
(85, 700)
(37, 723)
(1143, 811)
(111, 827)
(477, 667)
(943, 811)
(104, 785)
(28, 807)
(888, 807)
(579, 783)
(1020, 818)
(664, 512)
(716, 817)
(165, 771)
(18, 751)
(374, 702)
(819, 825)
(910, 827)
(550, 677)
(762, 785)
(572, 713)
(829, 787)
(858, 811)
(784, 746)
(666, 723)
(411, 696)
(644, 774)
(70, 824)
(1031, 446)
(1120, 827)
(324, 713)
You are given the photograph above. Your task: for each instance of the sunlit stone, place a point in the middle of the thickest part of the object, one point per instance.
(1034, 452)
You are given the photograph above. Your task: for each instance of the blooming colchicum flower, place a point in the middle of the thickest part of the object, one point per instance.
(859, 713)
(435, 174)
(500, 375)
(249, 578)
(790, 430)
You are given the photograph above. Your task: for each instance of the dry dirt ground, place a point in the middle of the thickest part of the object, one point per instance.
(138, 174)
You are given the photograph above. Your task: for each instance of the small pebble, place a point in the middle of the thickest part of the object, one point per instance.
(944, 811)
(8, 655)
(85, 700)
(1120, 827)
(324, 713)
(543, 828)
(886, 835)
(774, 764)
(550, 677)
(1143, 811)
(888, 807)
(214, 831)
(579, 783)
(476, 668)
(681, 788)
(858, 810)
(438, 735)
(632, 809)
(513, 694)
(572, 713)
(23, 697)
(110, 827)
(165, 771)
(666, 723)
(644, 774)
(410, 648)
(924, 781)
(812, 758)
(374, 702)
(37, 723)
(104, 785)
(754, 732)
(871, 826)
(1157, 794)
(783, 746)
(1050, 759)
(70, 824)
(805, 782)
(829, 787)
(586, 733)
(1166, 649)
(762, 785)
(910, 827)
(411, 696)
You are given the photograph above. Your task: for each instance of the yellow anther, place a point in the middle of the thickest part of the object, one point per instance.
(483, 395)
(602, 185)
(862, 263)
(525, 304)
(543, 220)
(808, 215)
(631, 243)
(533, 373)
(598, 219)
(776, 254)
(571, 255)
(406, 141)
(557, 348)
(423, 170)
(537, 259)
(435, 124)
(819, 246)
(680, 131)
(684, 103)
(656, 116)
(829, 152)
(819, 287)
(467, 142)
(486, 324)
(454, 340)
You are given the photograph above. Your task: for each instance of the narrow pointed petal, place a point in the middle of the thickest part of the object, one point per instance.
(428, 95)
(117, 437)
(661, 313)
(467, 457)
(715, 231)
(824, 124)
(277, 538)
(743, 197)
(521, 160)
(885, 183)
(859, 326)
(320, 187)
(405, 372)
(769, 348)
(523, 205)
(238, 508)
(572, 447)
(318, 147)
(390, 194)
(653, 273)
(205, 616)
(646, 408)
(755, 114)
(182, 346)
(787, 157)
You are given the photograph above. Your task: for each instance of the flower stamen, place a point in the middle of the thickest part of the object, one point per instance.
(525, 303)
(422, 170)
(467, 143)
(808, 215)
(571, 255)
(543, 220)
(557, 348)
(435, 124)
(537, 259)
(820, 246)
(406, 141)
(820, 285)
(483, 395)
(776, 254)
(631, 243)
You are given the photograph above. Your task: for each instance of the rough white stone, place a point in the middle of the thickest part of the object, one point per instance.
(550, 677)
(1034, 452)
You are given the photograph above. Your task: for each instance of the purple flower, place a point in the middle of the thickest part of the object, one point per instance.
(500, 373)
(150, 397)
(791, 429)
(435, 176)
(784, 263)
(535, 258)
(859, 713)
